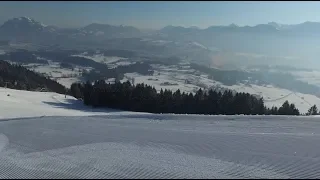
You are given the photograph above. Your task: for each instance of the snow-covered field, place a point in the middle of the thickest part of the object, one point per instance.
(56, 72)
(63, 76)
(101, 58)
(120, 63)
(174, 78)
(160, 146)
(158, 81)
(66, 82)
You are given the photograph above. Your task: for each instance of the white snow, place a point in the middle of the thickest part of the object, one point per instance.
(53, 69)
(120, 63)
(66, 82)
(55, 72)
(124, 63)
(110, 80)
(198, 45)
(145, 39)
(101, 58)
(34, 104)
(62, 75)
(160, 42)
(157, 81)
(160, 146)
(175, 76)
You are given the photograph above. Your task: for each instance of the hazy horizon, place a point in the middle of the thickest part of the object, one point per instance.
(155, 15)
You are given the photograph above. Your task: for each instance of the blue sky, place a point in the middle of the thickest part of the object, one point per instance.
(159, 14)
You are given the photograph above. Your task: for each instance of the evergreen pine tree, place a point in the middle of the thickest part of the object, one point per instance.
(313, 110)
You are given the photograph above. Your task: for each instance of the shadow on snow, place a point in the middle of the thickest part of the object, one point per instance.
(75, 104)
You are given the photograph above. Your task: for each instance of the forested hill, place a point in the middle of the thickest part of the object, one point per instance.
(18, 77)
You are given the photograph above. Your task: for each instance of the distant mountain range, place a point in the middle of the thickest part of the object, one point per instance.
(25, 27)
(271, 39)
(271, 27)
(28, 29)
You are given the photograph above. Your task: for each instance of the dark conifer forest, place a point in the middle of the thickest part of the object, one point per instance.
(144, 98)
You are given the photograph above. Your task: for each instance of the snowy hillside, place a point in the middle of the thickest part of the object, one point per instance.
(35, 104)
(274, 96)
(67, 76)
(53, 70)
(101, 58)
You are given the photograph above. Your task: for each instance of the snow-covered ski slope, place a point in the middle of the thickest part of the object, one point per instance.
(45, 135)
(160, 146)
(17, 103)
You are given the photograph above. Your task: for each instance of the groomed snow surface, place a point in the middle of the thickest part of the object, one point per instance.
(118, 144)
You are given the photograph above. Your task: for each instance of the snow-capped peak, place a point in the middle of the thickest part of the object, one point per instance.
(43, 25)
(25, 20)
(23, 27)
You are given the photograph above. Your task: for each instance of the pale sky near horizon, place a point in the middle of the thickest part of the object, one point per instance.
(158, 14)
